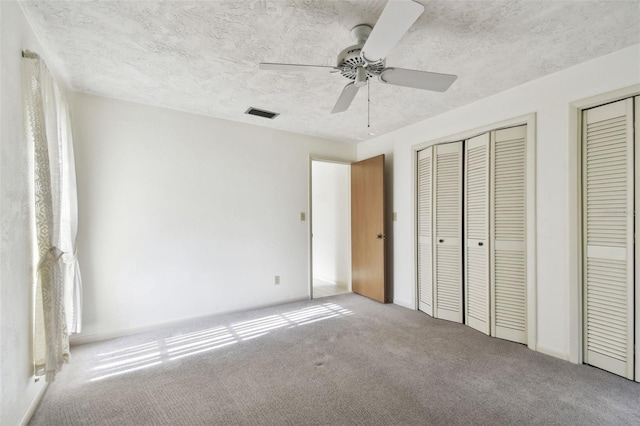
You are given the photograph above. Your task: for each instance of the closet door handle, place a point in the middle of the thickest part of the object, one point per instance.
(480, 244)
(441, 241)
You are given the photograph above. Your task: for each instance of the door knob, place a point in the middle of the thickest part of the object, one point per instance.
(380, 236)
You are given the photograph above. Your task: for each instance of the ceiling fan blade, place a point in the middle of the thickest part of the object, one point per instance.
(396, 19)
(296, 67)
(346, 97)
(418, 79)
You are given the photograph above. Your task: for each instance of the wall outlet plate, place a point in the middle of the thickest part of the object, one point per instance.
(303, 216)
(276, 280)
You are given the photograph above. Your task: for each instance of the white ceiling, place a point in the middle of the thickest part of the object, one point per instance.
(202, 56)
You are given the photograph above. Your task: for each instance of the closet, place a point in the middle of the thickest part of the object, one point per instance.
(471, 199)
(609, 195)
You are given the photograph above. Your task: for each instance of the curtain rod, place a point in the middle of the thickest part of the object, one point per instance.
(29, 54)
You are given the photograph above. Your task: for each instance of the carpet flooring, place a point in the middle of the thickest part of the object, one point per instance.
(339, 360)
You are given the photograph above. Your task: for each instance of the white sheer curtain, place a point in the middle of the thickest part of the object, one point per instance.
(58, 293)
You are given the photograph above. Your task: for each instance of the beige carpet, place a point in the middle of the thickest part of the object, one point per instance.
(340, 360)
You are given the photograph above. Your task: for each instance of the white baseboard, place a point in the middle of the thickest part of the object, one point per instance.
(552, 352)
(325, 280)
(404, 304)
(81, 339)
(34, 404)
(331, 281)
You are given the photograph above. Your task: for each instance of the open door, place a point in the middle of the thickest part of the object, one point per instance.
(367, 229)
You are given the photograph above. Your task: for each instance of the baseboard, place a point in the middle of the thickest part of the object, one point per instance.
(330, 281)
(34, 404)
(552, 352)
(404, 304)
(80, 339)
(324, 280)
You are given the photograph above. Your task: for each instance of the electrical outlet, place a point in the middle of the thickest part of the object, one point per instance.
(395, 216)
(303, 216)
(276, 280)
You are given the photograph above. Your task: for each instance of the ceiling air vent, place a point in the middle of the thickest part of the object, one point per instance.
(262, 113)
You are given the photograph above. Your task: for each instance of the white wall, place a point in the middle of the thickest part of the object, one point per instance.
(331, 218)
(549, 98)
(184, 215)
(18, 391)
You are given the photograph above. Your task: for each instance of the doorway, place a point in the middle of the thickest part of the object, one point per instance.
(330, 228)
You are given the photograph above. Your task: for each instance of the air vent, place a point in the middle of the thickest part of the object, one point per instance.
(262, 113)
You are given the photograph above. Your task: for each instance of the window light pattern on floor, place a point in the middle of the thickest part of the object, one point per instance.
(150, 354)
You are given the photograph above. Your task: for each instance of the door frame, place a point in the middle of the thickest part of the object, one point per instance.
(531, 255)
(313, 158)
(576, 324)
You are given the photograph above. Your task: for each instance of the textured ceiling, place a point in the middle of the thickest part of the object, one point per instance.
(202, 56)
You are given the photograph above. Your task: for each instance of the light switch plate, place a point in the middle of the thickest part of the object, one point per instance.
(395, 216)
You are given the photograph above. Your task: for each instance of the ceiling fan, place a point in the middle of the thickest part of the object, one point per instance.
(366, 59)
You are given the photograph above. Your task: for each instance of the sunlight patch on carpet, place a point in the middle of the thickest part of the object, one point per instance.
(139, 357)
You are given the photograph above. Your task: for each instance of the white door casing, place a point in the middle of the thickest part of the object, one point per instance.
(425, 242)
(637, 226)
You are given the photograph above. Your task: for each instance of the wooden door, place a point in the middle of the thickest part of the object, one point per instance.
(367, 228)
(447, 282)
(608, 235)
(476, 225)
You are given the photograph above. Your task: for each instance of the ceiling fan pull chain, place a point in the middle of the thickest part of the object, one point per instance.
(368, 105)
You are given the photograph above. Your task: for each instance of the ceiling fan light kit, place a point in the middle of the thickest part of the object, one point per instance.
(366, 59)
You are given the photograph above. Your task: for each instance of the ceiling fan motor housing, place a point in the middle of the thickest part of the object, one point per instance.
(350, 59)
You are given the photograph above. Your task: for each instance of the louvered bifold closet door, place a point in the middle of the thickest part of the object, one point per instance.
(425, 252)
(448, 231)
(608, 181)
(508, 219)
(476, 223)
